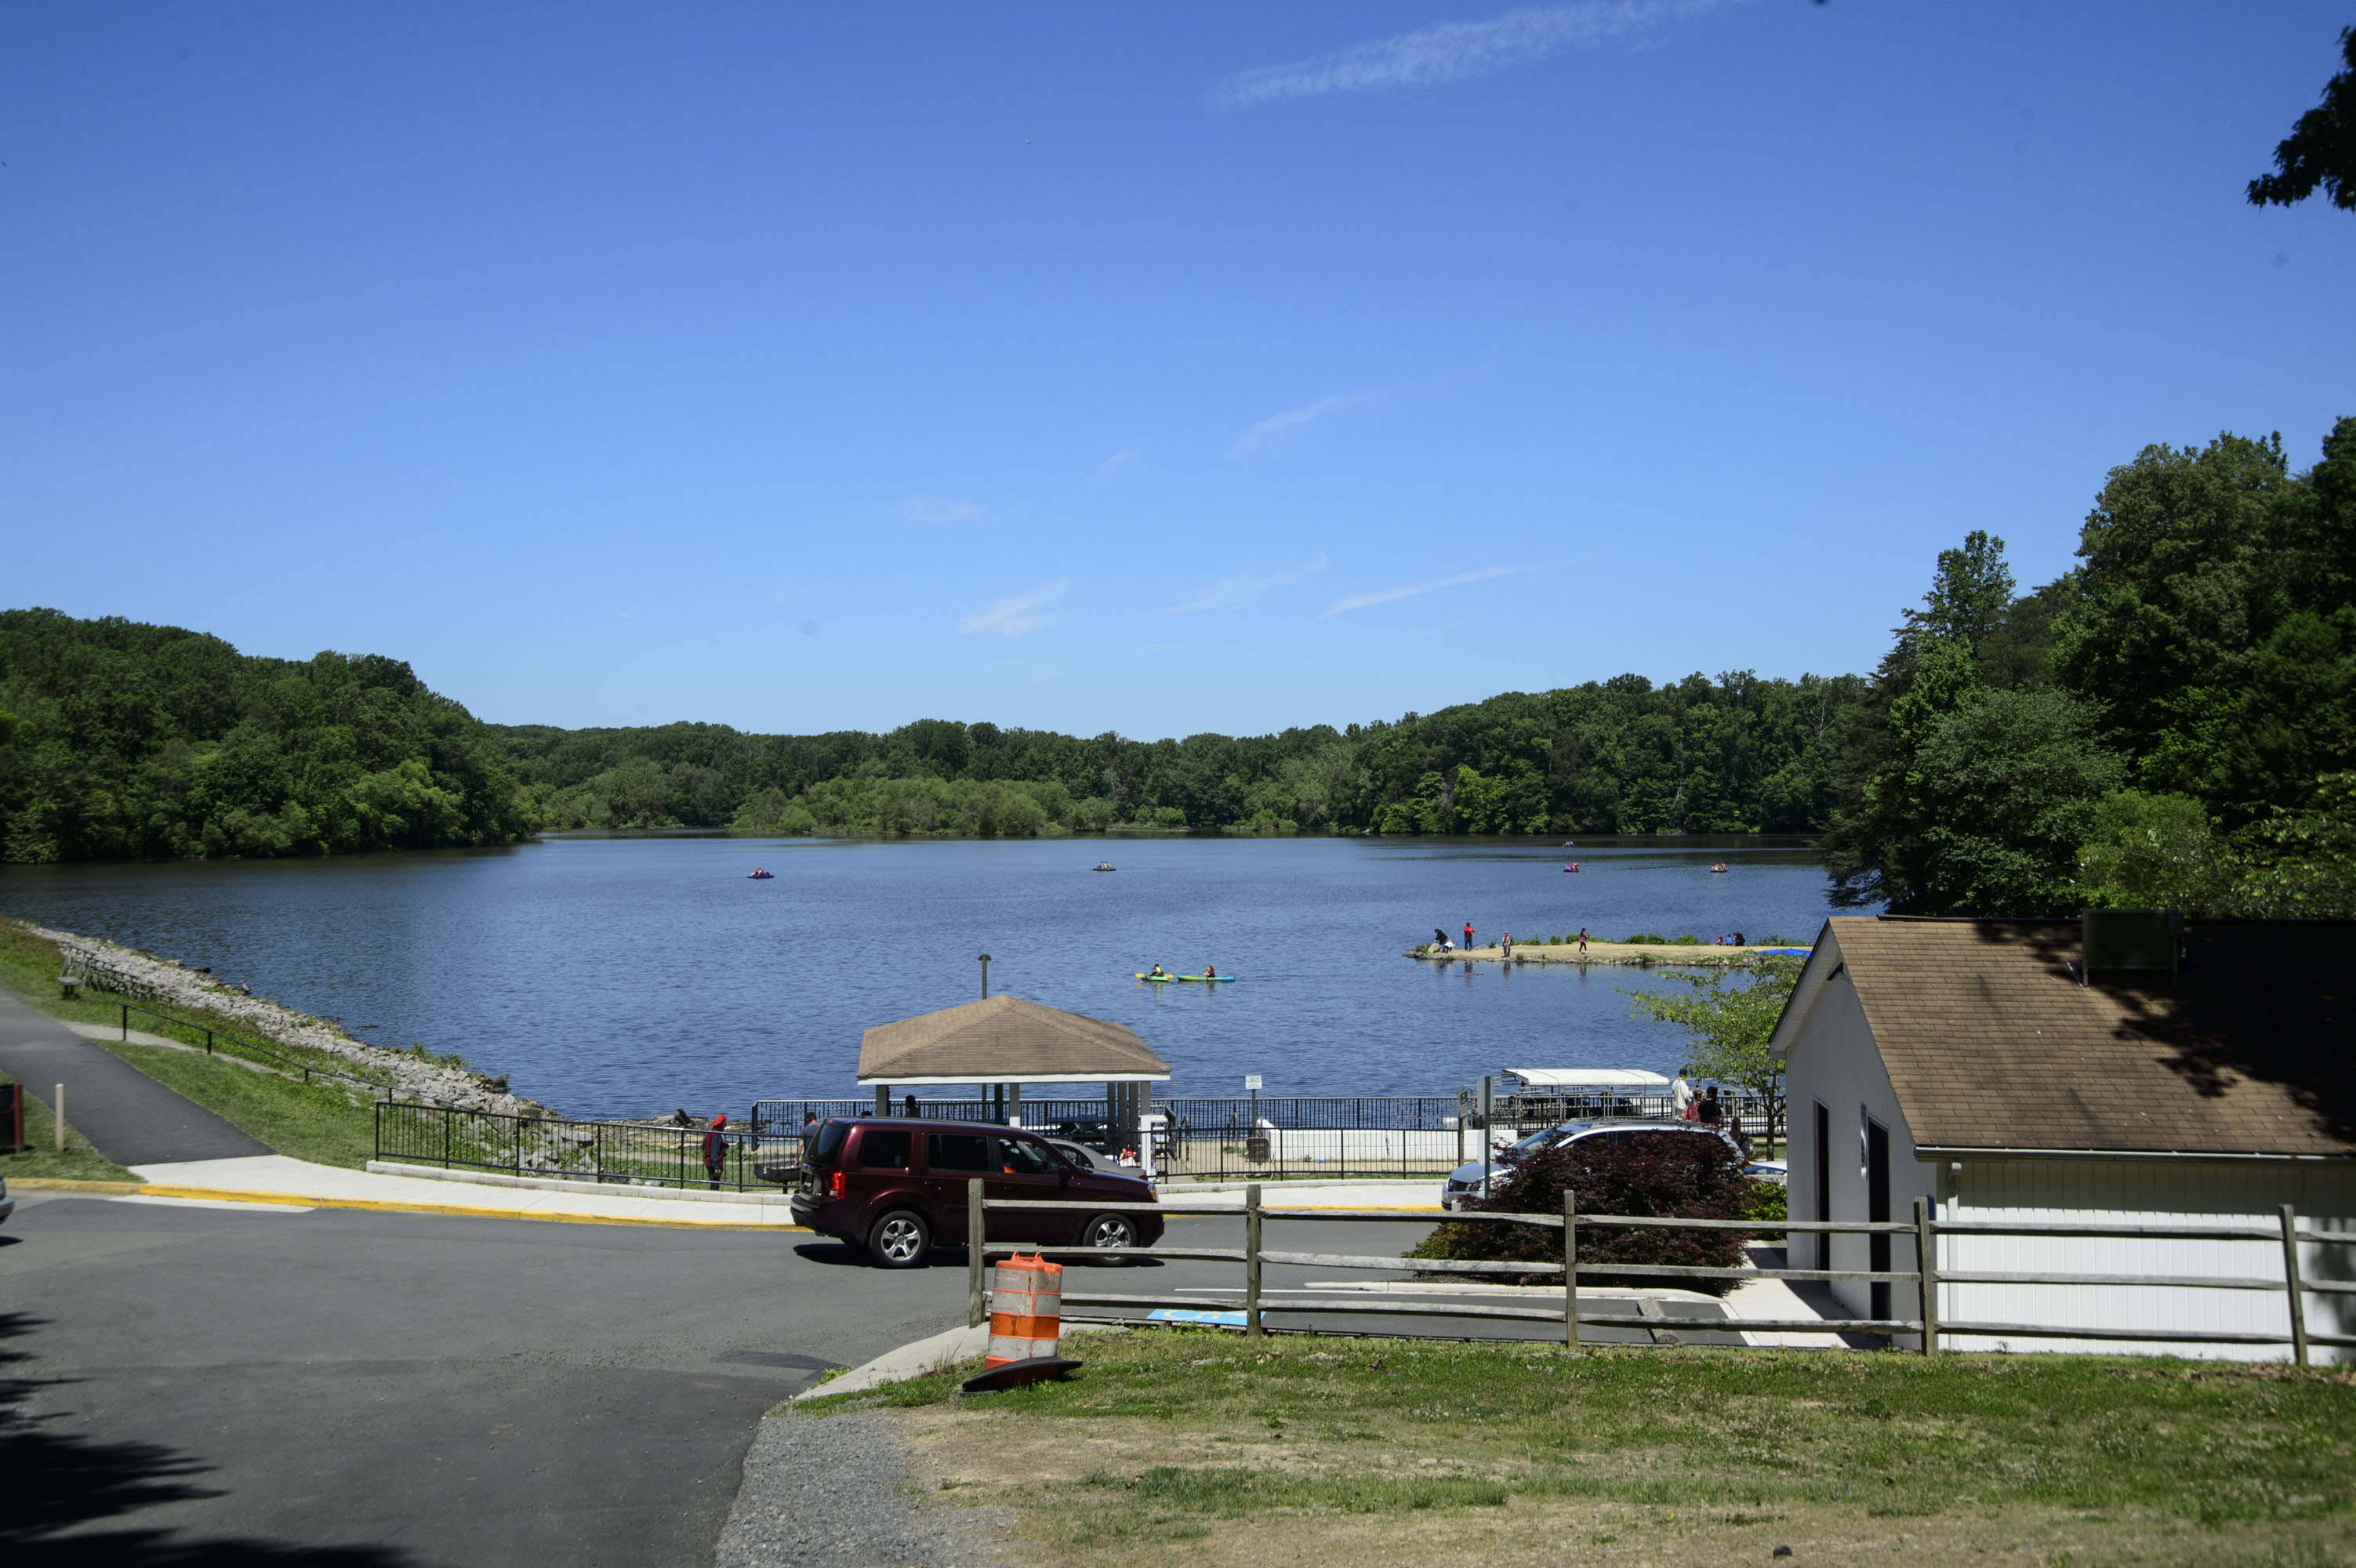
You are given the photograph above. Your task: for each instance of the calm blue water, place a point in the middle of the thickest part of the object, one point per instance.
(629, 976)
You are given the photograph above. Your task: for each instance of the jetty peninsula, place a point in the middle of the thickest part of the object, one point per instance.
(1640, 955)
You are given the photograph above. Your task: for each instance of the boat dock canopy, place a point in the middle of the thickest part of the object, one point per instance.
(1587, 1077)
(1005, 1040)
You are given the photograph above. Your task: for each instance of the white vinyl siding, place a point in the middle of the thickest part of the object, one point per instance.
(2131, 1191)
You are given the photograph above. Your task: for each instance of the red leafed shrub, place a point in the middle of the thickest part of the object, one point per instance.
(1668, 1175)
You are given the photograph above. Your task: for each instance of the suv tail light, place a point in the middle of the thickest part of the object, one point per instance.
(834, 1185)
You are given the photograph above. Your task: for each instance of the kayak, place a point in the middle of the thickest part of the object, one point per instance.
(1157, 979)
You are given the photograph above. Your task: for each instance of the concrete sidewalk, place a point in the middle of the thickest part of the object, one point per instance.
(277, 1179)
(127, 1116)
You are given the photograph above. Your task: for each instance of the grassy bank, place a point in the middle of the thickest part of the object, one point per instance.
(1200, 1448)
(327, 1121)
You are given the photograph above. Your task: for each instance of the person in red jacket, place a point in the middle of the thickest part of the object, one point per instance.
(1468, 934)
(715, 1149)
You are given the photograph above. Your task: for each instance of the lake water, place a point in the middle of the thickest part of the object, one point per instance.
(627, 976)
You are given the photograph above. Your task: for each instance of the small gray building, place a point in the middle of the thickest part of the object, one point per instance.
(1983, 1065)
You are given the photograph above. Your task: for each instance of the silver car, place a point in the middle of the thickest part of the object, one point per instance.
(1465, 1182)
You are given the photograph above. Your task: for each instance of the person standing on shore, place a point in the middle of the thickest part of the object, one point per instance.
(1468, 936)
(715, 1149)
(1582, 939)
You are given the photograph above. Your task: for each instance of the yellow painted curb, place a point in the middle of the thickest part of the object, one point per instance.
(62, 1184)
(223, 1194)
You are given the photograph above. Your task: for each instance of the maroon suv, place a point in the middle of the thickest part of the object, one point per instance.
(891, 1188)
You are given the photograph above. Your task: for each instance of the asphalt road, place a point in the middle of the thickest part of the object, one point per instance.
(195, 1386)
(1383, 1239)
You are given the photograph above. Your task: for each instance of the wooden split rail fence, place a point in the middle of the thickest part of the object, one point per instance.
(1926, 1278)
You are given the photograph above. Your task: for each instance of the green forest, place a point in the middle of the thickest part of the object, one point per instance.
(2170, 723)
(120, 741)
(1734, 755)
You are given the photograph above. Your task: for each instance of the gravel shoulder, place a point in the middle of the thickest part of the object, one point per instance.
(839, 1490)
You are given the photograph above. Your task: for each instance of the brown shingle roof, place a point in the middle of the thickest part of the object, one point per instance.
(1990, 1041)
(1003, 1041)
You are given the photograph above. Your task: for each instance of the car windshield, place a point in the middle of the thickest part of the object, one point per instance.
(1547, 1134)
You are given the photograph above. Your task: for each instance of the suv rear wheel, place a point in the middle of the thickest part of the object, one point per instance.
(901, 1239)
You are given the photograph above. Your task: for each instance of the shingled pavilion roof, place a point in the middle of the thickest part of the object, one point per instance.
(1991, 1042)
(1005, 1039)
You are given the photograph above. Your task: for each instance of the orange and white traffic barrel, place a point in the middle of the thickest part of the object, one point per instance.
(1027, 1310)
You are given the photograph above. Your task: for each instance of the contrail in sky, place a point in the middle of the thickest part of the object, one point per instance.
(1454, 51)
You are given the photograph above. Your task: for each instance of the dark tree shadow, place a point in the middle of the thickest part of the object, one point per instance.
(55, 1484)
(2266, 1001)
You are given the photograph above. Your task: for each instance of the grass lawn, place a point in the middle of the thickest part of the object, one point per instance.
(327, 1121)
(1196, 1447)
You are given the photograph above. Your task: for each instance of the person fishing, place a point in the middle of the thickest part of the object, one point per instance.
(715, 1149)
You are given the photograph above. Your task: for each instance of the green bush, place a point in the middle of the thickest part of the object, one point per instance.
(1637, 938)
(1668, 1174)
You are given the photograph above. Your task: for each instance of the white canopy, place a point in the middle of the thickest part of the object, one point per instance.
(1588, 1076)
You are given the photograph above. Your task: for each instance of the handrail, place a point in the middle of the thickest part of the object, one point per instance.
(1926, 1276)
(208, 1032)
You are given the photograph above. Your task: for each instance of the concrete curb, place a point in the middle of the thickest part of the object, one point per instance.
(590, 1188)
(923, 1358)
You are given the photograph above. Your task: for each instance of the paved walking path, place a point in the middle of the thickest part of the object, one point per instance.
(127, 1116)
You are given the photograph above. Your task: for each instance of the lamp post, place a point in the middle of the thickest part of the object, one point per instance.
(985, 977)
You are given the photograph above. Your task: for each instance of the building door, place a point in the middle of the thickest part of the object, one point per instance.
(1824, 1175)
(1877, 1208)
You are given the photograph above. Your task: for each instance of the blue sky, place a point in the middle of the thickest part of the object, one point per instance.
(1149, 368)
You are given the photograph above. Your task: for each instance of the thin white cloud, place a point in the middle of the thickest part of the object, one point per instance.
(1457, 51)
(1226, 593)
(1276, 425)
(944, 508)
(1018, 613)
(1387, 595)
(1102, 474)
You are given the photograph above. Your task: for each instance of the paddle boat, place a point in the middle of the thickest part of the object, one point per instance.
(760, 875)
(1104, 866)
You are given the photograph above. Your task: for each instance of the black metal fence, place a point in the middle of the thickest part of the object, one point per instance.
(628, 1153)
(1405, 1137)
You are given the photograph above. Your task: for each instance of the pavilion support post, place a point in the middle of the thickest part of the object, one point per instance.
(883, 1099)
(1014, 1105)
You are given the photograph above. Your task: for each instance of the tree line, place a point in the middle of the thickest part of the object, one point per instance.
(1737, 754)
(2172, 722)
(124, 741)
